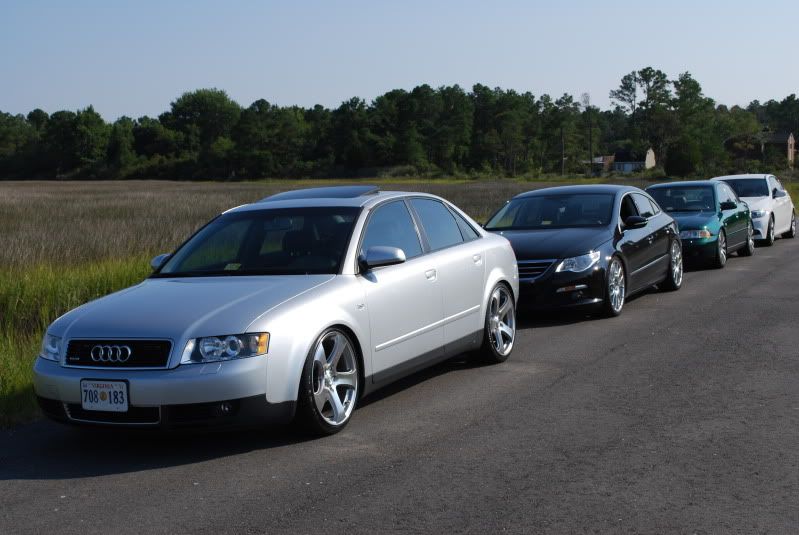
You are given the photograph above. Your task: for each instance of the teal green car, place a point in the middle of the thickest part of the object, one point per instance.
(713, 221)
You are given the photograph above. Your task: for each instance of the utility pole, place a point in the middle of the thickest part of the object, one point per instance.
(586, 101)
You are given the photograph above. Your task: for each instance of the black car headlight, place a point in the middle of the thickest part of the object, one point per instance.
(225, 347)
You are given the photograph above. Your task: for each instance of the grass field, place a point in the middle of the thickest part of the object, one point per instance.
(65, 243)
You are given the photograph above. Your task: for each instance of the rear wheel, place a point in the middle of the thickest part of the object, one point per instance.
(792, 229)
(769, 241)
(500, 326)
(674, 277)
(615, 288)
(749, 247)
(721, 251)
(330, 384)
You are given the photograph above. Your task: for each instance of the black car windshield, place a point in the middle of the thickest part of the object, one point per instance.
(749, 187)
(684, 198)
(554, 211)
(297, 241)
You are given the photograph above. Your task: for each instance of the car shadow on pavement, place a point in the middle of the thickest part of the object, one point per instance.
(47, 450)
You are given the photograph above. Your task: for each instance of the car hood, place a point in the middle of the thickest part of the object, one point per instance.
(555, 243)
(695, 220)
(758, 203)
(176, 308)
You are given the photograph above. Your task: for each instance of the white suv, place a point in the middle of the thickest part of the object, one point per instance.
(772, 209)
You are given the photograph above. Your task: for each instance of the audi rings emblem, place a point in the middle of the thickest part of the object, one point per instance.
(119, 354)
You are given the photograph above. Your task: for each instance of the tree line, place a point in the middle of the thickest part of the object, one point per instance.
(425, 131)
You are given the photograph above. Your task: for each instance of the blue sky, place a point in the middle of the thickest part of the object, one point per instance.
(134, 58)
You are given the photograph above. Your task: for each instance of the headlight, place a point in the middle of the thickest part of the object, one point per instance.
(225, 347)
(756, 214)
(695, 234)
(579, 263)
(51, 348)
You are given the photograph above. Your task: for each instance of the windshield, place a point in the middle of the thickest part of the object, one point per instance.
(684, 198)
(749, 187)
(297, 241)
(554, 211)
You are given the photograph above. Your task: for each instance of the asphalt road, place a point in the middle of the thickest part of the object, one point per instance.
(681, 416)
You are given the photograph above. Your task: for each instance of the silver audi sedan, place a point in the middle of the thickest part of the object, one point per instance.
(297, 305)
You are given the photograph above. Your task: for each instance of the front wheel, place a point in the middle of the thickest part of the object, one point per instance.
(721, 251)
(615, 288)
(769, 241)
(330, 384)
(674, 276)
(500, 326)
(749, 247)
(791, 233)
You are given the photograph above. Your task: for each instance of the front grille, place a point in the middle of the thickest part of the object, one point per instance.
(143, 353)
(532, 269)
(134, 415)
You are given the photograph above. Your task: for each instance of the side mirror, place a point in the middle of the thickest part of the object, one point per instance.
(159, 260)
(635, 221)
(379, 256)
(728, 205)
(777, 193)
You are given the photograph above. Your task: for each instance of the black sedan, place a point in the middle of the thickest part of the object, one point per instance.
(589, 246)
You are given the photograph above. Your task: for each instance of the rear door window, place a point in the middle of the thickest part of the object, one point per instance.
(439, 224)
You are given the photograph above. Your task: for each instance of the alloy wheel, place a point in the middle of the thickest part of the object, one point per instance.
(676, 264)
(335, 378)
(501, 321)
(750, 240)
(722, 240)
(616, 285)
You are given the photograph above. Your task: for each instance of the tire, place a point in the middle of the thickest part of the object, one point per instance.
(675, 272)
(721, 251)
(331, 372)
(769, 240)
(748, 248)
(499, 331)
(791, 233)
(615, 288)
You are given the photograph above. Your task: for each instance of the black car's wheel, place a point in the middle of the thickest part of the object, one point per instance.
(791, 233)
(615, 288)
(674, 276)
(499, 331)
(721, 251)
(748, 248)
(330, 384)
(769, 241)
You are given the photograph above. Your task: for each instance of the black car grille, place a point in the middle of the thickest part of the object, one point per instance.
(532, 269)
(134, 415)
(112, 353)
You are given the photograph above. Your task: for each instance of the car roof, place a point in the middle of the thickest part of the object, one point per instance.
(678, 183)
(332, 196)
(583, 188)
(740, 177)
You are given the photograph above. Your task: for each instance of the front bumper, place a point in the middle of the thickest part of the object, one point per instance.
(563, 290)
(224, 393)
(700, 248)
(760, 226)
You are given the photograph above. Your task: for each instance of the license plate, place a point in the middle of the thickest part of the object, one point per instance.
(104, 395)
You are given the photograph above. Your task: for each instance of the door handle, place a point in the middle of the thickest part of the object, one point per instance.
(477, 259)
(431, 274)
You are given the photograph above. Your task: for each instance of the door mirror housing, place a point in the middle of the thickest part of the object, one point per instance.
(380, 256)
(635, 221)
(776, 193)
(159, 260)
(728, 205)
